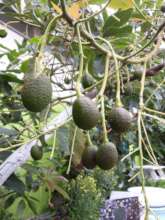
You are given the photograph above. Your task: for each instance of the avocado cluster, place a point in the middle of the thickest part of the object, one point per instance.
(37, 93)
(106, 157)
(85, 113)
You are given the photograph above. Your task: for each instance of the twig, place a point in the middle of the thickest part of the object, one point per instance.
(154, 111)
(94, 14)
(72, 150)
(154, 117)
(103, 120)
(54, 145)
(129, 154)
(140, 140)
(148, 141)
(81, 64)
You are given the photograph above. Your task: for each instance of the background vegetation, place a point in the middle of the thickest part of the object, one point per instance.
(136, 33)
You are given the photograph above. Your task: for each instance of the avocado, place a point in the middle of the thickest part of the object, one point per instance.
(120, 119)
(87, 80)
(162, 8)
(3, 33)
(85, 113)
(89, 157)
(107, 156)
(36, 152)
(37, 93)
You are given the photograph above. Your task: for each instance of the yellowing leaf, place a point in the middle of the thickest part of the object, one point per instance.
(121, 4)
(74, 10)
(56, 8)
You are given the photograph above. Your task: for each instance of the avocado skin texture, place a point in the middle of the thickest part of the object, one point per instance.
(85, 113)
(120, 119)
(3, 33)
(107, 156)
(36, 152)
(89, 157)
(37, 93)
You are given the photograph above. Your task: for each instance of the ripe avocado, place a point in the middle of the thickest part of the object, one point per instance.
(37, 93)
(120, 119)
(36, 152)
(85, 113)
(107, 156)
(89, 157)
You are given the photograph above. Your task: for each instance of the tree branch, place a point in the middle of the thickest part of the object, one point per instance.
(21, 155)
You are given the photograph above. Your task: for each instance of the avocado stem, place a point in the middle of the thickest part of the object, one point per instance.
(105, 138)
(72, 150)
(106, 74)
(139, 125)
(81, 63)
(118, 99)
(39, 60)
(89, 139)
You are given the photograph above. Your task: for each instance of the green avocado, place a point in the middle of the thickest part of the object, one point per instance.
(85, 113)
(36, 152)
(3, 33)
(120, 119)
(107, 156)
(87, 80)
(37, 93)
(89, 157)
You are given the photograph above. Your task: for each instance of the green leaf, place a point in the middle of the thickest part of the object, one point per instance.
(31, 204)
(62, 139)
(21, 208)
(28, 65)
(15, 184)
(118, 32)
(79, 146)
(97, 1)
(113, 22)
(8, 132)
(13, 55)
(9, 201)
(10, 77)
(61, 191)
(123, 17)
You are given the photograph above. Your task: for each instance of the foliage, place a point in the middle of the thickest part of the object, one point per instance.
(130, 36)
(83, 191)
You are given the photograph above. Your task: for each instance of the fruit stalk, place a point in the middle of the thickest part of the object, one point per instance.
(89, 139)
(81, 64)
(141, 104)
(118, 99)
(105, 79)
(54, 145)
(105, 138)
(72, 150)
(38, 63)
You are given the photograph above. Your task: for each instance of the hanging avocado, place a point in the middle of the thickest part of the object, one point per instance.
(107, 156)
(85, 113)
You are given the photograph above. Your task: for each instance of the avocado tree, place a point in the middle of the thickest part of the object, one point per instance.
(84, 89)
